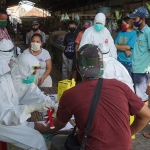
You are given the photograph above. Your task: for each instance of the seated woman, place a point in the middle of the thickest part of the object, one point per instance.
(44, 79)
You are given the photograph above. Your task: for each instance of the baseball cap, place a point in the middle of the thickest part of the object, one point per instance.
(140, 12)
(90, 61)
(87, 24)
(34, 22)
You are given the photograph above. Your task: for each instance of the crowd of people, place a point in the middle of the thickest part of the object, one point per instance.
(123, 64)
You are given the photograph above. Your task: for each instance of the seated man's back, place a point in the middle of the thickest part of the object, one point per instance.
(110, 128)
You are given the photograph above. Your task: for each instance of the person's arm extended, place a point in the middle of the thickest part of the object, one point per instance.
(41, 128)
(148, 89)
(76, 47)
(47, 72)
(141, 119)
(123, 47)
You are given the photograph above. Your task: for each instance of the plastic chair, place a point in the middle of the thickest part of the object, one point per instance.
(3, 145)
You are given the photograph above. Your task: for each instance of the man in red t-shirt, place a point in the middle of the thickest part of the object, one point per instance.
(110, 129)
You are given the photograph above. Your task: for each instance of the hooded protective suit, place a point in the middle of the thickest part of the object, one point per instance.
(91, 36)
(103, 39)
(13, 116)
(24, 66)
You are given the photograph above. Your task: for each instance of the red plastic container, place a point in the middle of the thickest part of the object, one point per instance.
(3, 146)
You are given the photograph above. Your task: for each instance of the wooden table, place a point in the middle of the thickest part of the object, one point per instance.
(47, 90)
(38, 116)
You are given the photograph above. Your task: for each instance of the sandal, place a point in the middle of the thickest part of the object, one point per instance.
(147, 135)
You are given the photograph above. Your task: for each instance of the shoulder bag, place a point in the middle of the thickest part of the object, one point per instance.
(72, 143)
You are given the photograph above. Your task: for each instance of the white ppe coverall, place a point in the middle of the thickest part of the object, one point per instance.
(103, 39)
(22, 68)
(13, 118)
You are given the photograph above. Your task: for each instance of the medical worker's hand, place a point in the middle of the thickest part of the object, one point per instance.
(148, 90)
(41, 80)
(55, 110)
(40, 127)
(128, 53)
(37, 107)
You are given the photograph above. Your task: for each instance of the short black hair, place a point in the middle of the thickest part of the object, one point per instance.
(126, 19)
(72, 22)
(3, 12)
(38, 35)
(129, 21)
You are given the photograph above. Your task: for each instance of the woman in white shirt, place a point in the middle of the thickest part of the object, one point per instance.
(44, 78)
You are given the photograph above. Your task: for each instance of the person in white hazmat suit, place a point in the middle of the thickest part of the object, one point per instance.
(100, 36)
(24, 82)
(13, 116)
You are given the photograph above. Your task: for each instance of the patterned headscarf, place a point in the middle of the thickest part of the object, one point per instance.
(90, 61)
(4, 34)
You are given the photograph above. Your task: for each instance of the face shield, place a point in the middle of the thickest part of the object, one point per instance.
(7, 55)
(33, 78)
(25, 68)
(7, 50)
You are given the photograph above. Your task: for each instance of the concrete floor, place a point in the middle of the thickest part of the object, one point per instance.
(139, 143)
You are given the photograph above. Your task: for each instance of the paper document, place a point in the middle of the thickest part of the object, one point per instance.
(67, 127)
(53, 97)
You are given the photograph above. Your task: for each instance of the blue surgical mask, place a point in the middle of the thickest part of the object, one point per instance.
(30, 80)
(137, 24)
(98, 27)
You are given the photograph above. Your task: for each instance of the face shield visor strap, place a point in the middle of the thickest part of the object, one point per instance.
(106, 52)
(11, 50)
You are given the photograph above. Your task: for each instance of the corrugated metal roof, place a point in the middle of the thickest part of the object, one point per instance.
(55, 5)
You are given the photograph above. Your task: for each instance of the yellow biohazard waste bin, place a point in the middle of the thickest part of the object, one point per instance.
(64, 85)
(131, 121)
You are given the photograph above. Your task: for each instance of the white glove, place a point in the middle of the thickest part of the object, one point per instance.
(37, 107)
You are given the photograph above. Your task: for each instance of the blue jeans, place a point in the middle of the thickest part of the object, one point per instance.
(141, 81)
(127, 65)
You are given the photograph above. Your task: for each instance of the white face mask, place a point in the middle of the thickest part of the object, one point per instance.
(35, 46)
